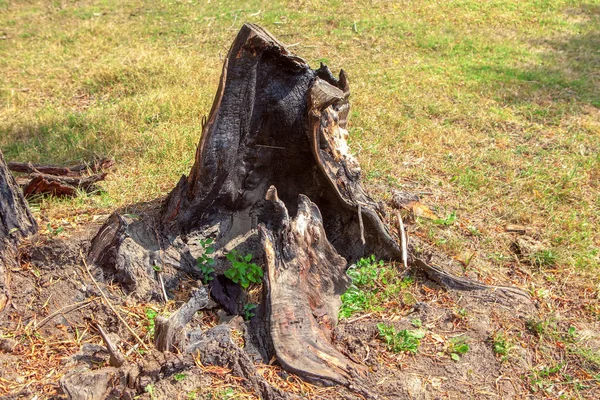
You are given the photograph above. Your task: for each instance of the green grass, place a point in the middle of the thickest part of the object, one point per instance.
(376, 287)
(398, 341)
(498, 100)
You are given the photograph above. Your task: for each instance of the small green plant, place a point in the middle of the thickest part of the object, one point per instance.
(399, 341)
(54, 232)
(374, 284)
(179, 377)
(355, 300)
(361, 293)
(502, 345)
(540, 378)
(150, 390)
(457, 346)
(449, 220)
(224, 394)
(366, 271)
(151, 315)
(242, 270)
(249, 311)
(192, 395)
(544, 258)
(572, 334)
(417, 323)
(206, 262)
(537, 327)
(461, 313)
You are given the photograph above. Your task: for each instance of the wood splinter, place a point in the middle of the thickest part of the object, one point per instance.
(170, 331)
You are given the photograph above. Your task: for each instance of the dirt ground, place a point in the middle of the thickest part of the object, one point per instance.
(49, 337)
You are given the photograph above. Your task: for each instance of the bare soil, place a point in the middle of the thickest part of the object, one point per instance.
(49, 331)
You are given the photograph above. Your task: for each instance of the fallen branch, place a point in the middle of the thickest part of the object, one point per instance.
(64, 310)
(77, 170)
(116, 358)
(60, 181)
(60, 185)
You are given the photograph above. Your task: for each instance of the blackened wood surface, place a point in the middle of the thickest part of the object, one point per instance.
(262, 131)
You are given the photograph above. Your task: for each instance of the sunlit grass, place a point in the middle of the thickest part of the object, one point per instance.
(492, 107)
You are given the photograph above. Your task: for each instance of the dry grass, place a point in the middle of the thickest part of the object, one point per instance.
(490, 108)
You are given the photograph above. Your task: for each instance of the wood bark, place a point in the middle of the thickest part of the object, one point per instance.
(16, 223)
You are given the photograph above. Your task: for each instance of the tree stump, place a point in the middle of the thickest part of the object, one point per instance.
(273, 177)
(16, 223)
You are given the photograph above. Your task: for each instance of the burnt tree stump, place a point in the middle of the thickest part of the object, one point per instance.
(16, 223)
(273, 177)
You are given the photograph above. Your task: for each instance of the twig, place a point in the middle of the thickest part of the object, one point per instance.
(358, 318)
(162, 286)
(109, 304)
(132, 349)
(403, 241)
(116, 358)
(64, 310)
(368, 353)
(362, 227)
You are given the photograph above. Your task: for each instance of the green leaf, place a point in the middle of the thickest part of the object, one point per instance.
(455, 357)
(151, 314)
(462, 348)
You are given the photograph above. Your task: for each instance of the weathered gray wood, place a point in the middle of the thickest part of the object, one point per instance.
(170, 331)
(16, 222)
(275, 122)
(305, 279)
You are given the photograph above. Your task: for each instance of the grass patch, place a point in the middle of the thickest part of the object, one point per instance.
(374, 286)
(400, 340)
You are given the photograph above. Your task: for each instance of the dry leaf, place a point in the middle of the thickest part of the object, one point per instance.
(421, 210)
